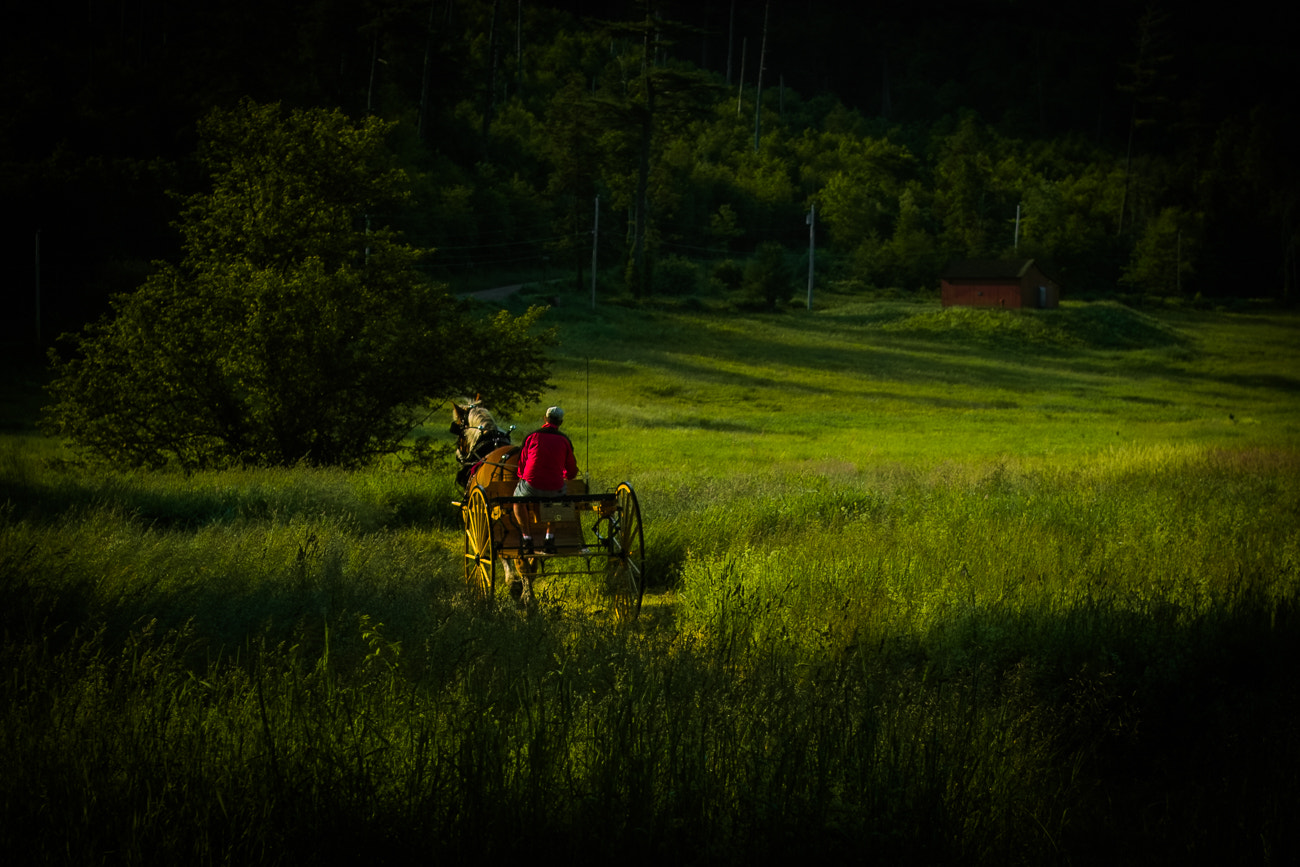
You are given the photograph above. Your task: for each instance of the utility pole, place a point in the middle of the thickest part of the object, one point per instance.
(1016, 241)
(812, 249)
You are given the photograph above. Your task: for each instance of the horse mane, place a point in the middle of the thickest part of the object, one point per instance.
(478, 422)
(480, 417)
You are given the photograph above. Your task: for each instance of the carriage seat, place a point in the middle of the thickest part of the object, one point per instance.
(564, 517)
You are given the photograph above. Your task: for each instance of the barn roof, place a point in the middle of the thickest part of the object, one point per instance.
(986, 269)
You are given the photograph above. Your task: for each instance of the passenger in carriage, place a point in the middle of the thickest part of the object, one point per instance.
(546, 462)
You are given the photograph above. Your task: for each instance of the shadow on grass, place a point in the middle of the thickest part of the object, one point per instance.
(1103, 737)
(1179, 729)
(784, 361)
(377, 702)
(972, 349)
(167, 502)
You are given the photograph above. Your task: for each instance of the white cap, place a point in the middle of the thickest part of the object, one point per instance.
(555, 414)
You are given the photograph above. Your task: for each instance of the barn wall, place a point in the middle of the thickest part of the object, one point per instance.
(990, 290)
(1031, 294)
(981, 294)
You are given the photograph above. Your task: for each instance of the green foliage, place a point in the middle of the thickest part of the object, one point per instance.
(911, 258)
(767, 276)
(728, 274)
(675, 275)
(723, 227)
(1163, 257)
(294, 329)
(860, 198)
(1069, 217)
(966, 190)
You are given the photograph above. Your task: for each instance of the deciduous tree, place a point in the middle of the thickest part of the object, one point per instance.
(1165, 253)
(295, 328)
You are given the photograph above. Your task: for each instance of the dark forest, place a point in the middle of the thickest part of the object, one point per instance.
(1146, 146)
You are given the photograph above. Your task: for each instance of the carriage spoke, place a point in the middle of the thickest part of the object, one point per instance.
(625, 578)
(480, 548)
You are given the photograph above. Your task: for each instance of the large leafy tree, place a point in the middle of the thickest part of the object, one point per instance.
(295, 328)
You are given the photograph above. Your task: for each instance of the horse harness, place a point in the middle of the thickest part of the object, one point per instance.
(488, 441)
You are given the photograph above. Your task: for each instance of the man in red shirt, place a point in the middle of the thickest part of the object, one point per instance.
(546, 462)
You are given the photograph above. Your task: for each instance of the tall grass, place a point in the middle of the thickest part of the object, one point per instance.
(1173, 525)
(922, 656)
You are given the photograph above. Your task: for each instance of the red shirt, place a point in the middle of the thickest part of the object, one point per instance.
(546, 459)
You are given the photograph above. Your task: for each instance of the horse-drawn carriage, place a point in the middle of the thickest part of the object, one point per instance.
(595, 539)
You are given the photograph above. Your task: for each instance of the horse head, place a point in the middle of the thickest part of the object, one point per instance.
(460, 420)
(477, 435)
(469, 421)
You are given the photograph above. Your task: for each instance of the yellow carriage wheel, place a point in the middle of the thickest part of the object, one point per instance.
(480, 545)
(625, 565)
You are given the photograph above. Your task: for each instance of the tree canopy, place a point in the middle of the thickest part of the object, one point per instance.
(295, 328)
(919, 131)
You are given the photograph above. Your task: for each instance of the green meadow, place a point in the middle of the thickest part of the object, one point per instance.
(926, 587)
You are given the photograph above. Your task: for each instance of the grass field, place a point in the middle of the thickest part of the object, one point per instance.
(929, 587)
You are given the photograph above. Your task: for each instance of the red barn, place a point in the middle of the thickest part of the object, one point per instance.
(997, 283)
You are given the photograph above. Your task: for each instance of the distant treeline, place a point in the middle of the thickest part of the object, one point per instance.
(1124, 147)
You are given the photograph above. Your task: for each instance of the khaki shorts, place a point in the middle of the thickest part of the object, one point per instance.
(523, 489)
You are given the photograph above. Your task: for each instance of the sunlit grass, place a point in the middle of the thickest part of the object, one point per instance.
(929, 587)
(1171, 525)
(885, 384)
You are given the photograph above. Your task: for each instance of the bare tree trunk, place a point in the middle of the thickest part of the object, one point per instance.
(740, 90)
(1128, 162)
(374, 61)
(731, 39)
(519, 45)
(1145, 88)
(640, 271)
(490, 102)
(886, 108)
(640, 277)
(424, 79)
(758, 94)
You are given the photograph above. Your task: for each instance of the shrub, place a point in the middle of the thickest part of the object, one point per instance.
(767, 276)
(675, 275)
(727, 275)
